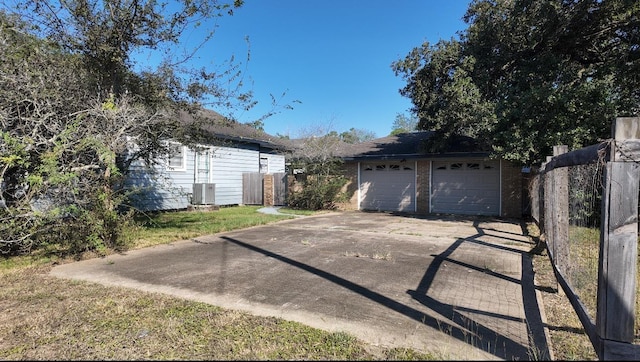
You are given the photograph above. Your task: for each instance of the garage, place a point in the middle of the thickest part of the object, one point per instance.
(470, 187)
(388, 186)
(399, 173)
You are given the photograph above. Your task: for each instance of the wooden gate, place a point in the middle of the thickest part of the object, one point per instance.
(279, 188)
(252, 188)
(256, 192)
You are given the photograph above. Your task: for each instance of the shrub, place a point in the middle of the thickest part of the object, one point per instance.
(317, 193)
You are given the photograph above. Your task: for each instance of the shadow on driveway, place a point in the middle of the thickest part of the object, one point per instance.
(463, 287)
(458, 325)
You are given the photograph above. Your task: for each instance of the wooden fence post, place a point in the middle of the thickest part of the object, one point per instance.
(535, 193)
(561, 212)
(617, 267)
(548, 208)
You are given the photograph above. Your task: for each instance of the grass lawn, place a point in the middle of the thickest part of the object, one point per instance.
(162, 228)
(45, 318)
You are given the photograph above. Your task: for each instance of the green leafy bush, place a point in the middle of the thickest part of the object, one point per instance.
(318, 193)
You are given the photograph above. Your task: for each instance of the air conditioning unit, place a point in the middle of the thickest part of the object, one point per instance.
(204, 194)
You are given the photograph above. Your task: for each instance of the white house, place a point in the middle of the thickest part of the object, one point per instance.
(208, 172)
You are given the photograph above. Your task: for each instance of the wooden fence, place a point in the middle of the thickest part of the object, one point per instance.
(612, 330)
(252, 193)
(264, 189)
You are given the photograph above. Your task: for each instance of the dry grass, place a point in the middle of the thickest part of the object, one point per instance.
(582, 268)
(375, 255)
(569, 341)
(46, 318)
(582, 274)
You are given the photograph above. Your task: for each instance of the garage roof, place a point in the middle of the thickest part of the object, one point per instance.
(408, 145)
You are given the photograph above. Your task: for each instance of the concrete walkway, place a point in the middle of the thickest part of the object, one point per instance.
(461, 288)
(275, 210)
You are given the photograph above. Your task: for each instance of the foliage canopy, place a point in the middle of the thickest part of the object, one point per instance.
(527, 75)
(404, 124)
(319, 186)
(75, 111)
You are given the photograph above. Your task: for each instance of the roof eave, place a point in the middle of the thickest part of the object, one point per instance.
(261, 143)
(416, 156)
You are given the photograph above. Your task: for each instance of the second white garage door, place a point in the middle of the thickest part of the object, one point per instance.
(388, 186)
(466, 187)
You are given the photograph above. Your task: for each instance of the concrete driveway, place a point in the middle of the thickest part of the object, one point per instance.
(462, 288)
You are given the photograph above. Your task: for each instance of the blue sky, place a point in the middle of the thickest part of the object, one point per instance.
(333, 56)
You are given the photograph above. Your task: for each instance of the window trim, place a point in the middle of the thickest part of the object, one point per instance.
(183, 150)
(263, 168)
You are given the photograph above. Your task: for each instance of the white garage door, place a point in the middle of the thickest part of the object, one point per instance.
(387, 186)
(466, 187)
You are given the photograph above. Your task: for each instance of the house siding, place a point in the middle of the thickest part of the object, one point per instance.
(160, 188)
(276, 162)
(165, 189)
(228, 166)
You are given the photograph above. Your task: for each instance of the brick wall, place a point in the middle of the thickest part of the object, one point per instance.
(267, 190)
(422, 186)
(351, 187)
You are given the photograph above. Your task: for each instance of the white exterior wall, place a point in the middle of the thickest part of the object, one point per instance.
(161, 188)
(172, 189)
(228, 166)
(276, 162)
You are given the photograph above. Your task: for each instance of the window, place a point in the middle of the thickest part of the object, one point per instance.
(473, 166)
(456, 166)
(407, 168)
(177, 157)
(368, 168)
(394, 167)
(264, 165)
(381, 167)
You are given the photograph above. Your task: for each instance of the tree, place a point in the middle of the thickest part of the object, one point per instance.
(75, 112)
(108, 32)
(60, 143)
(258, 124)
(545, 66)
(445, 98)
(320, 185)
(355, 135)
(528, 75)
(404, 124)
